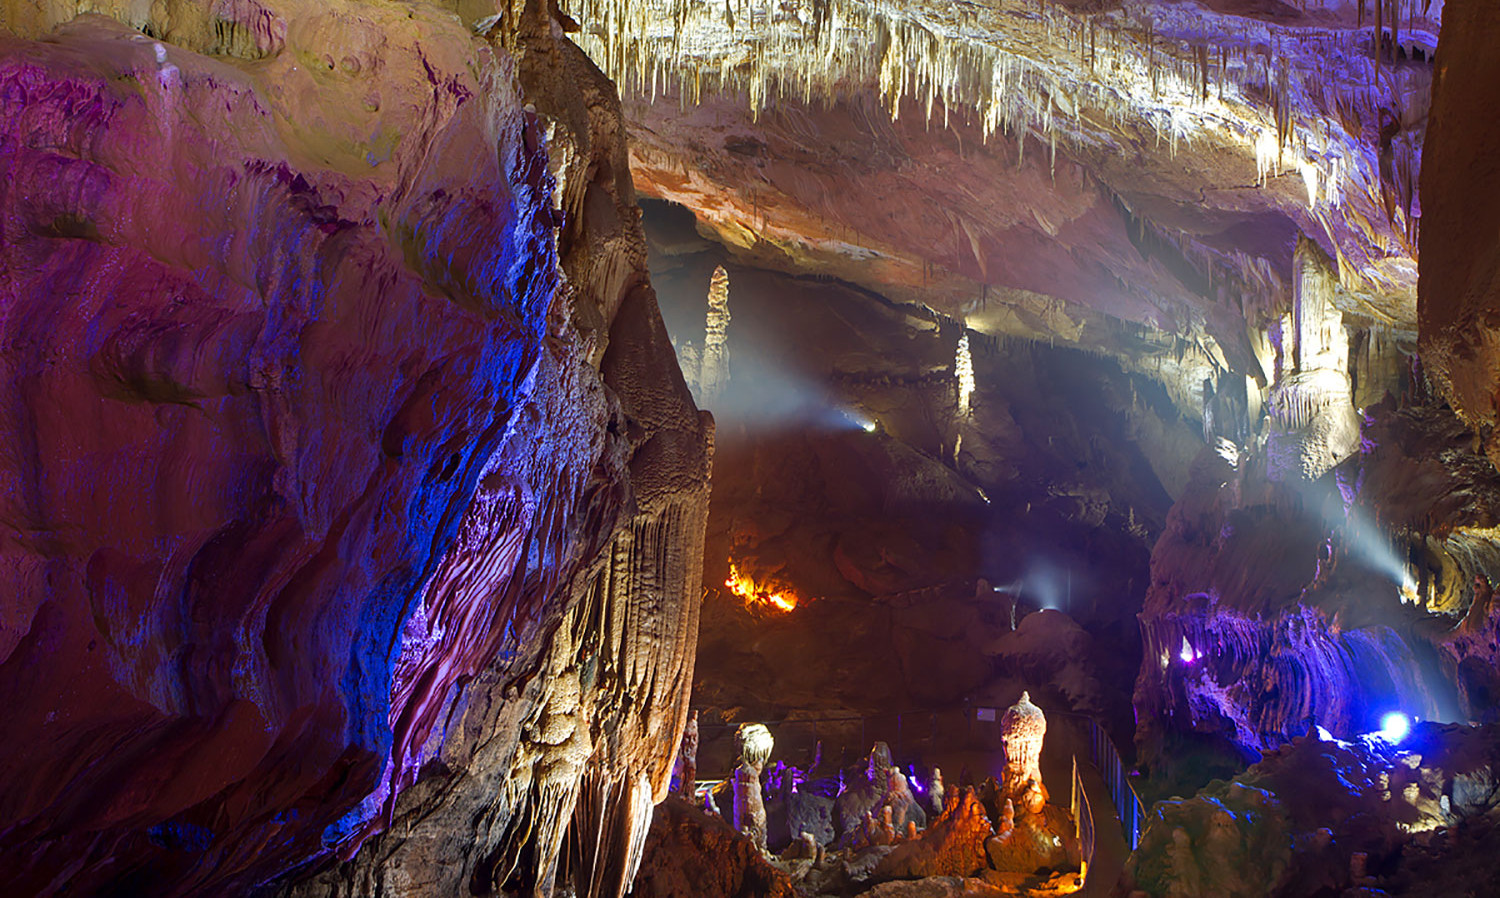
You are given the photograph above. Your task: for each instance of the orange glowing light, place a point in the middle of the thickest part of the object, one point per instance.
(755, 595)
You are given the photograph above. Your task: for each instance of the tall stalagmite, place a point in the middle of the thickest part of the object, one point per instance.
(1313, 423)
(715, 371)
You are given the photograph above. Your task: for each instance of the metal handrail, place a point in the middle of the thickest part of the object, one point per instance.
(1128, 803)
(1083, 824)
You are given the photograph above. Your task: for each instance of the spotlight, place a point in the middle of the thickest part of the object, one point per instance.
(859, 419)
(1408, 590)
(1187, 654)
(1394, 727)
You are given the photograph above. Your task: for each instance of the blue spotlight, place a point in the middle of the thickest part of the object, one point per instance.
(1394, 727)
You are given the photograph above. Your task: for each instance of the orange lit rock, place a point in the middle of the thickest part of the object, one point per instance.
(758, 595)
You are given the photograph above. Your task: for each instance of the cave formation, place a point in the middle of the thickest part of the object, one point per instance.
(500, 447)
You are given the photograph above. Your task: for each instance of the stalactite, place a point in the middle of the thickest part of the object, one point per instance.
(1267, 678)
(915, 58)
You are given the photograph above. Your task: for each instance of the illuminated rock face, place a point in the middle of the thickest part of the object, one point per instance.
(1319, 816)
(1023, 727)
(329, 382)
(1130, 177)
(1242, 655)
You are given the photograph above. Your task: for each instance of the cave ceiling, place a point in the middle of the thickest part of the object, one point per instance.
(1127, 177)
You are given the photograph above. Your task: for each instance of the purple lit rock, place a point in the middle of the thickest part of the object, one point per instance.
(303, 436)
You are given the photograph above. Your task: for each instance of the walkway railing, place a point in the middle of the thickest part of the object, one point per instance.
(1128, 804)
(1083, 822)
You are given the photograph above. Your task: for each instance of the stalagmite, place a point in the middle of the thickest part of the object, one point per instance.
(935, 793)
(715, 362)
(963, 371)
(687, 758)
(755, 744)
(1023, 727)
(1314, 425)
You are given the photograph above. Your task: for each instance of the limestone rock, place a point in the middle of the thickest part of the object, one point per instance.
(691, 854)
(337, 425)
(952, 846)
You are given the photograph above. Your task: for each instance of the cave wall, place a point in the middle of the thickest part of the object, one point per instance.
(349, 479)
(1276, 606)
(1459, 290)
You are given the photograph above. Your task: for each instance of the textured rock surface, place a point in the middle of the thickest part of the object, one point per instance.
(952, 846)
(1252, 636)
(1273, 609)
(691, 854)
(1318, 817)
(937, 887)
(349, 481)
(1131, 177)
(1460, 285)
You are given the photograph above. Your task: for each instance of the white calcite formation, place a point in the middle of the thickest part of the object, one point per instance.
(1313, 422)
(963, 372)
(715, 363)
(749, 803)
(1023, 727)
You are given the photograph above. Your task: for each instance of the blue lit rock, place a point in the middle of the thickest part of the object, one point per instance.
(335, 423)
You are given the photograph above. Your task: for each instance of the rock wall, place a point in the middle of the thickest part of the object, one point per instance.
(1460, 282)
(350, 485)
(1321, 817)
(1261, 621)
(1273, 608)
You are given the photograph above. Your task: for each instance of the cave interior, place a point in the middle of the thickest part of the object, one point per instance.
(733, 448)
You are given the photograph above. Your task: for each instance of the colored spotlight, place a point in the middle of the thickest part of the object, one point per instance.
(1394, 727)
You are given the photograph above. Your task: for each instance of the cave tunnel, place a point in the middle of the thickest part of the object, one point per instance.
(735, 448)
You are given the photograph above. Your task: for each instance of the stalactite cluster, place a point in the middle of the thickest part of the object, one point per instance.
(1264, 680)
(1025, 67)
